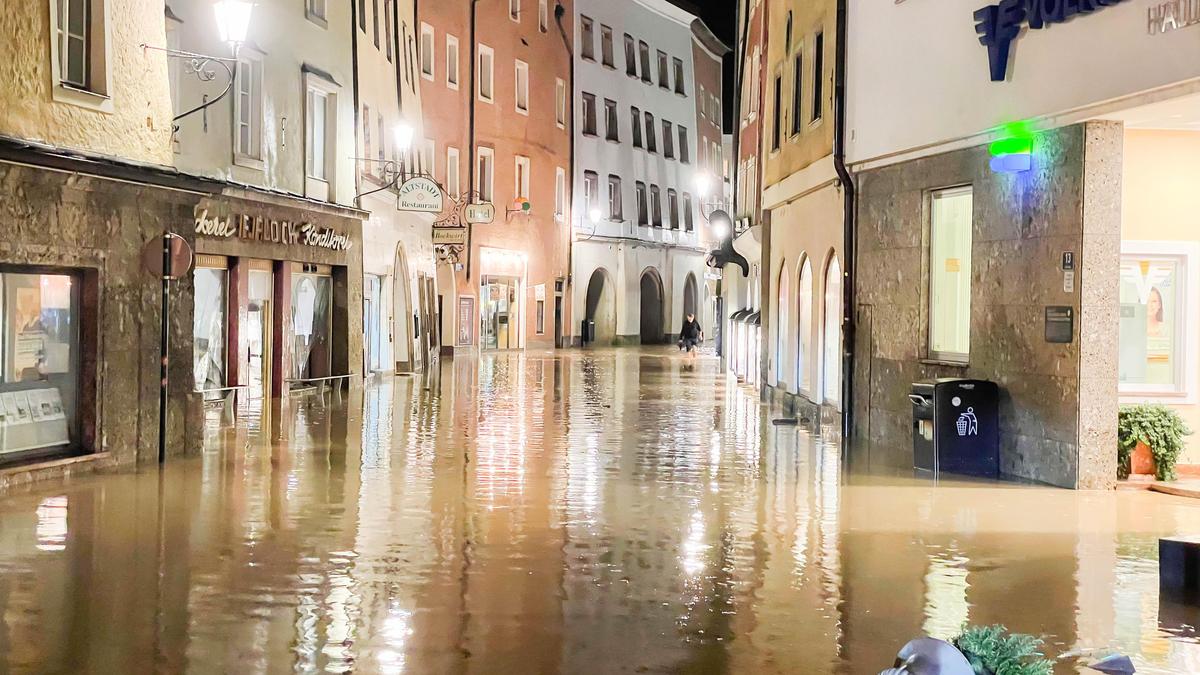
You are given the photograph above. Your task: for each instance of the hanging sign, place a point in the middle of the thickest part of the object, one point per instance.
(1000, 24)
(450, 236)
(421, 194)
(481, 214)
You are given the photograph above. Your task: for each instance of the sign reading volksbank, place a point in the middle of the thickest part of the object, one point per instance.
(1000, 24)
(420, 194)
(270, 230)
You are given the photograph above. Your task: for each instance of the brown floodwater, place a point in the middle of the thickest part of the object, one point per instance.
(582, 512)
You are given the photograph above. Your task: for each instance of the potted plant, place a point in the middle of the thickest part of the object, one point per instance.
(1149, 440)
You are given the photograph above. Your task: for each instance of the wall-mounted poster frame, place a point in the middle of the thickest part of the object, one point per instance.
(465, 336)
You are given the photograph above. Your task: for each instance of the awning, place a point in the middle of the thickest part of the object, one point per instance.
(755, 319)
(740, 314)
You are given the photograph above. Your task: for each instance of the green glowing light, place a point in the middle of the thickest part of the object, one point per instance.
(1012, 146)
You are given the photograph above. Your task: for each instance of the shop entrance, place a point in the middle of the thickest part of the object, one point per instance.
(501, 312)
(372, 328)
(258, 330)
(652, 306)
(312, 323)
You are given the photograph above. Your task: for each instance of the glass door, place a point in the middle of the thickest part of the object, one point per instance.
(259, 334)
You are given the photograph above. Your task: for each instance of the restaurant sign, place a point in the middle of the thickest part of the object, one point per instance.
(420, 194)
(269, 230)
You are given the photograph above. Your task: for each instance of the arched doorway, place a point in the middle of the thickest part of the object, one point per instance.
(781, 325)
(600, 307)
(402, 343)
(831, 369)
(804, 297)
(651, 308)
(689, 296)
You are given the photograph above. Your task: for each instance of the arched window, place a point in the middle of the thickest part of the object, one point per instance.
(787, 39)
(781, 326)
(804, 296)
(831, 376)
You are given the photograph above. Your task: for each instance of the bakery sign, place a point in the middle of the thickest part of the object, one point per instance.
(269, 230)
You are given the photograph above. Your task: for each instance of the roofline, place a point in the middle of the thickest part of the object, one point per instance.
(668, 10)
(711, 43)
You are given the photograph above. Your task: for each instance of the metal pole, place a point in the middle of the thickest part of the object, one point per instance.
(163, 344)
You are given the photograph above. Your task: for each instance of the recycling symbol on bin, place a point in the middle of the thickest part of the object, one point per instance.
(967, 424)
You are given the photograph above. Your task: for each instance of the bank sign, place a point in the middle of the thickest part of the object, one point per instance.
(999, 25)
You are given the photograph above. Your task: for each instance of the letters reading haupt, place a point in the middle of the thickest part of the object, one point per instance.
(998, 25)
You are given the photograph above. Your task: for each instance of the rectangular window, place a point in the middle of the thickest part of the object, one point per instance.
(362, 15)
(684, 152)
(560, 103)
(797, 91)
(818, 76)
(522, 87)
(389, 6)
(560, 192)
(950, 274)
(589, 114)
(688, 223)
(591, 191)
(673, 207)
(452, 172)
(486, 163)
(656, 205)
(606, 46)
(427, 47)
(316, 133)
(315, 9)
(543, 15)
(366, 128)
(777, 111)
(610, 121)
(375, 20)
(514, 10)
(521, 178)
(703, 104)
(1156, 322)
(80, 44)
(209, 335)
(452, 62)
(664, 75)
(639, 193)
(587, 39)
(382, 143)
(486, 59)
(428, 165)
(651, 142)
(541, 317)
(39, 381)
(249, 108)
(614, 198)
(630, 56)
(680, 88)
(668, 140)
(635, 116)
(644, 54)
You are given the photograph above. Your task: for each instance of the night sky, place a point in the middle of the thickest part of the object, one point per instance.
(721, 18)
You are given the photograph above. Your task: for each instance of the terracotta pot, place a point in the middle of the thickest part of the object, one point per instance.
(1141, 461)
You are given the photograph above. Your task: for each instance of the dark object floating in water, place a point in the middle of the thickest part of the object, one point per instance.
(785, 422)
(1115, 664)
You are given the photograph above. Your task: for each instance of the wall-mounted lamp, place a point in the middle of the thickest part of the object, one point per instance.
(1014, 152)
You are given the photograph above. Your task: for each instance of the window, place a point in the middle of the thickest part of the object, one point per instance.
(683, 145)
(639, 193)
(1156, 320)
(950, 274)
(673, 207)
(522, 87)
(831, 369)
(610, 121)
(651, 143)
(375, 20)
(486, 163)
(635, 116)
(679, 84)
(74, 42)
(315, 10)
(427, 41)
(644, 53)
(668, 140)
(248, 113)
(589, 114)
(630, 56)
(614, 198)
(560, 103)
(452, 172)
(560, 192)
(703, 104)
(366, 127)
(688, 223)
(521, 178)
(804, 327)
(818, 75)
(664, 75)
(543, 15)
(317, 150)
(606, 46)
(451, 62)
(382, 144)
(797, 91)
(486, 58)
(428, 165)
(587, 39)
(39, 325)
(541, 317)
(591, 191)
(777, 111)
(656, 205)
(514, 10)
(362, 15)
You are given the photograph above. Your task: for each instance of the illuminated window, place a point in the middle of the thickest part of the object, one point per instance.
(486, 60)
(950, 274)
(427, 57)
(452, 62)
(1155, 326)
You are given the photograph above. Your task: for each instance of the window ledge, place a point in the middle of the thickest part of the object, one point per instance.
(248, 162)
(944, 362)
(65, 93)
(316, 19)
(523, 111)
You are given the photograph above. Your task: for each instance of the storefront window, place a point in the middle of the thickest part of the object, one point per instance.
(311, 326)
(39, 362)
(950, 274)
(1151, 324)
(208, 329)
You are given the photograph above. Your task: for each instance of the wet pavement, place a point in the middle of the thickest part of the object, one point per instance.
(584, 512)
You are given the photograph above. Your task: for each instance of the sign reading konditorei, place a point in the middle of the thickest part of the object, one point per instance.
(420, 194)
(269, 230)
(999, 24)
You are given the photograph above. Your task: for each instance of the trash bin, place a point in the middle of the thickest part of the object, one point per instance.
(956, 426)
(588, 331)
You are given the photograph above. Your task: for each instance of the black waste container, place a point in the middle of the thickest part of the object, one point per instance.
(956, 426)
(589, 331)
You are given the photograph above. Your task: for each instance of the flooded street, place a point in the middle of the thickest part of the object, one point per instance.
(583, 512)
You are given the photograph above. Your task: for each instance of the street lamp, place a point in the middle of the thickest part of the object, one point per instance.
(594, 215)
(703, 182)
(233, 21)
(720, 224)
(404, 136)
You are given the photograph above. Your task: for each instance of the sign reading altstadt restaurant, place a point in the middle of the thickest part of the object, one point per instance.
(269, 230)
(420, 194)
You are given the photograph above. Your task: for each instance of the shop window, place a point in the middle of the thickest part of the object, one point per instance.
(39, 363)
(312, 326)
(208, 329)
(950, 274)
(1155, 326)
(831, 380)
(452, 62)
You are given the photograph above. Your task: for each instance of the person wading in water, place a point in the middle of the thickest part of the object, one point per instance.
(691, 334)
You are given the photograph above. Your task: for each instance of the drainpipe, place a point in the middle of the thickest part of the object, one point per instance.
(559, 11)
(739, 67)
(354, 90)
(471, 159)
(849, 232)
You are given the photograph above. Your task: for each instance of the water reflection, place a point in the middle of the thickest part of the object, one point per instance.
(590, 512)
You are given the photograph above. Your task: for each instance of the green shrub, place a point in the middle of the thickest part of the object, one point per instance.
(992, 650)
(1157, 426)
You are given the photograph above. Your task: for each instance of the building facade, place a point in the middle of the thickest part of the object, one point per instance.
(495, 83)
(713, 183)
(639, 238)
(1024, 232)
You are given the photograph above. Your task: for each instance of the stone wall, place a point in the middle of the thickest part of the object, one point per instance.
(1058, 401)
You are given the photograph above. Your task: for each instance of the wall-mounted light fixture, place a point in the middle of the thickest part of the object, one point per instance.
(1013, 152)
